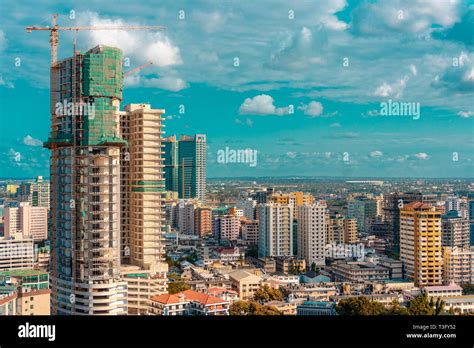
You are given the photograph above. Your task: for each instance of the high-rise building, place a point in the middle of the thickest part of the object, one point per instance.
(262, 196)
(364, 210)
(341, 230)
(350, 230)
(227, 227)
(420, 243)
(453, 203)
(185, 165)
(85, 147)
(458, 266)
(471, 219)
(185, 218)
(392, 204)
(26, 221)
(248, 206)
(312, 226)
(275, 237)
(143, 184)
(171, 163)
(142, 206)
(250, 231)
(203, 221)
(295, 199)
(36, 193)
(455, 230)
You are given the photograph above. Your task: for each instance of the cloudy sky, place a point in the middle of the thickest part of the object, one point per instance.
(300, 82)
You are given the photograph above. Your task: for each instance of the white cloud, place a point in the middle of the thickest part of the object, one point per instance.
(421, 155)
(30, 141)
(142, 45)
(384, 90)
(312, 109)
(376, 154)
(397, 88)
(466, 114)
(404, 16)
(261, 105)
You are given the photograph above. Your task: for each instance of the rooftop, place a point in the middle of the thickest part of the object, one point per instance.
(452, 287)
(22, 272)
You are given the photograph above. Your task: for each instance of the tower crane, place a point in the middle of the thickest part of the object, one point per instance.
(55, 28)
(137, 69)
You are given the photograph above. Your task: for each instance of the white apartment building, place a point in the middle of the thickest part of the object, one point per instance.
(16, 254)
(27, 221)
(313, 222)
(275, 237)
(458, 266)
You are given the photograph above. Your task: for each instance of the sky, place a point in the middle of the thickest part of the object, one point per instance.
(303, 83)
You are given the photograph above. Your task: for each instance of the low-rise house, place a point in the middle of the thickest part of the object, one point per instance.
(443, 291)
(313, 291)
(285, 308)
(316, 308)
(188, 302)
(464, 304)
(314, 277)
(227, 254)
(359, 272)
(168, 304)
(245, 283)
(385, 299)
(225, 294)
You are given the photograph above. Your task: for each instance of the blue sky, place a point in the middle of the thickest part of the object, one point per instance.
(330, 62)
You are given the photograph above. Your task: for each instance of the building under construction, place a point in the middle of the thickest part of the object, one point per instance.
(85, 143)
(107, 191)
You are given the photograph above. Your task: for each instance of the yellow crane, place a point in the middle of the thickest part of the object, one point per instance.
(55, 28)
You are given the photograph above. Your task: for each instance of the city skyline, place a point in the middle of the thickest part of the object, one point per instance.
(291, 95)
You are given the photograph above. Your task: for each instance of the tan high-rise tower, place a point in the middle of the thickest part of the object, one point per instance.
(420, 243)
(142, 205)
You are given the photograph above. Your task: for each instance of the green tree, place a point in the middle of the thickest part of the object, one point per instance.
(252, 308)
(360, 306)
(177, 286)
(467, 289)
(420, 305)
(313, 267)
(266, 293)
(396, 309)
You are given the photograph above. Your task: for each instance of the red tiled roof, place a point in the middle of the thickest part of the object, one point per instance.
(205, 299)
(219, 290)
(167, 299)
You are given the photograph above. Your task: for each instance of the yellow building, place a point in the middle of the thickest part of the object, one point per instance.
(350, 231)
(35, 302)
(11, 189)
(295, 199)
(245, 283)
(420, 243)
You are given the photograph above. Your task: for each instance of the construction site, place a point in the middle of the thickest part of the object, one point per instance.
(106, 186)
